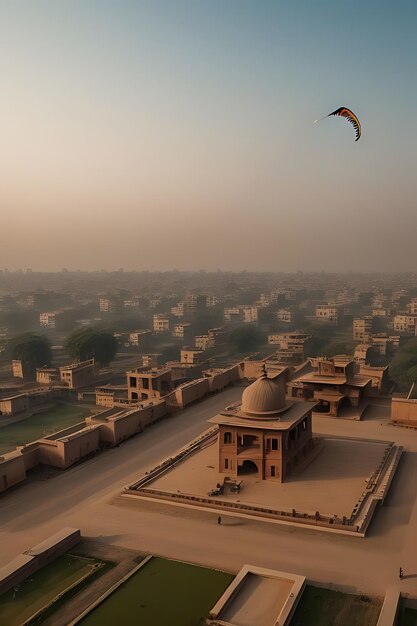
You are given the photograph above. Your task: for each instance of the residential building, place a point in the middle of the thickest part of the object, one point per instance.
(183, 331)
(51, 319)
(151, 360)
(292, 347)
(405, 324)
(211, 301)
(47, 375)
(250, 314)
(202, 342)
(178, 310)
(193, 303)
(286, 316)
(140, 338)
(191, 356)
(331, 314)
(79, 374)
(148, 384)
(13, 405)
(161, 323)
(363, 328)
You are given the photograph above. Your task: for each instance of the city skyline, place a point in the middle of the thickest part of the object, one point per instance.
(154, 135)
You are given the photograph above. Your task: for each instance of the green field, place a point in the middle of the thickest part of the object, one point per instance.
(38, 425)
(162, 593)
(408, 617)
(324, 607)
(38, 590)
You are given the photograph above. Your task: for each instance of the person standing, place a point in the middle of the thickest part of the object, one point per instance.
(401, 573)
(219, 520)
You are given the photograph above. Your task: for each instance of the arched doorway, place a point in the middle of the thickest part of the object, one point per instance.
(247, 467)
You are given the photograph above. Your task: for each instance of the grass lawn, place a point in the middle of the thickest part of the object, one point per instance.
(408, 617)
(162, 593)
(324, 607)
(46, 422)
(42, 587)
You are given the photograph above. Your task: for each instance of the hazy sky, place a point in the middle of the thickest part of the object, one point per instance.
(160, 134)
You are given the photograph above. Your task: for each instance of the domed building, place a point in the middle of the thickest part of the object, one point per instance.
(264, 433)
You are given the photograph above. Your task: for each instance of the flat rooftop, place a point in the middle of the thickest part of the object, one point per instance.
(293, 414)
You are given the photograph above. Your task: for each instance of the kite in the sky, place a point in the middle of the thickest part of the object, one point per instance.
(350, 116)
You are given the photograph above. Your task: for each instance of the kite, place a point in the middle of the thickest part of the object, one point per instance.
(350, 116)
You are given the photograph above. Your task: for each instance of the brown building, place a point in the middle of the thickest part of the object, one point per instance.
(14, 404)
(140, 338)
(47, 375)
(363, 328)
(331, 314)
(265, 433)
(191, 356)
(78, 375)
(183, 331)
(335, 384)
(149, 384)
(161, 323)
(23, 369)
(292, 347)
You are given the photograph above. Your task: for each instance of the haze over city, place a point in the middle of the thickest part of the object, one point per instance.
(208, 313)
(154, 135)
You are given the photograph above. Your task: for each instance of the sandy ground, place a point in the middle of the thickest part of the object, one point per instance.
(84, 497)
(331, 484)
(259, 601)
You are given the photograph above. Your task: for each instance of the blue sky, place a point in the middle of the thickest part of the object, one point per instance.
(179, 134)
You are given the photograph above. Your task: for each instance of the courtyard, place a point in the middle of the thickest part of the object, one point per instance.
(40, 424)
(331, 484)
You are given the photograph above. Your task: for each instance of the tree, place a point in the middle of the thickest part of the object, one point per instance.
(92, 343)
(246, 338)
(30, 348)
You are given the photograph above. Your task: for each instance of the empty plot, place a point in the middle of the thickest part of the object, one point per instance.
(258, 601)
(325, 607)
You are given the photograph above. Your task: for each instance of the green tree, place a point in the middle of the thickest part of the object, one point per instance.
(92, 343)
(246, 338)
(30, 348)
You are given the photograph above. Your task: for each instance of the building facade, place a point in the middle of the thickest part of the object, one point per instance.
(264, 434)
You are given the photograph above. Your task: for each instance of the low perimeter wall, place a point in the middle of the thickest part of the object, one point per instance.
(32, 560)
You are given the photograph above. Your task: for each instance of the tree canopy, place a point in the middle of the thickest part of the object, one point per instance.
(92, 343)
(403, 367)
(246, 338)
(30, 348)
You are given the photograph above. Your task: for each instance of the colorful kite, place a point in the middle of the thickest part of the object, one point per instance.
(350, 116)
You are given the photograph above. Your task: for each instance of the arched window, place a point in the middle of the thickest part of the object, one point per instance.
(227, 438)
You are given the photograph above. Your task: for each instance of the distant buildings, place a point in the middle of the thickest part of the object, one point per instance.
(161, 323)
(331, 314)
(183, 331)
(293, 347)
(363, 328)
(405, 324)
(140, 338)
